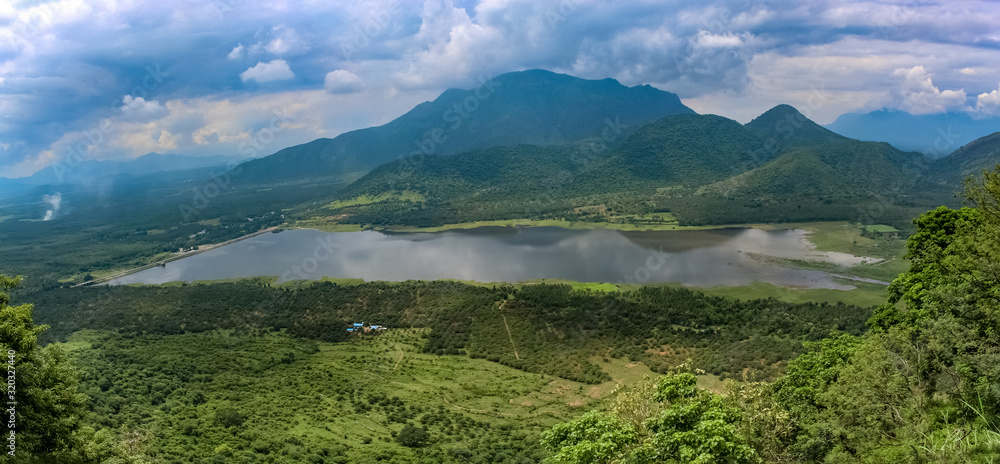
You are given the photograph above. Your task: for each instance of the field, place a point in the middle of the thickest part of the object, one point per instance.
(269, 397)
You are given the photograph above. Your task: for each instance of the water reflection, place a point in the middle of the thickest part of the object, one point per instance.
(695, 258)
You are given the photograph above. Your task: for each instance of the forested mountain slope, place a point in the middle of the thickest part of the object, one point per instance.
(534, 107)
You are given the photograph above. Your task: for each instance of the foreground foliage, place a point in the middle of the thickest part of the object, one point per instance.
(923, 385)
(548, 329)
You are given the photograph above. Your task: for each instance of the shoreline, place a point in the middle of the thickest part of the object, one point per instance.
(527, 223)
(175, 257)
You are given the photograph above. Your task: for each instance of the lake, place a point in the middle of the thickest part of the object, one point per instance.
(703, 258)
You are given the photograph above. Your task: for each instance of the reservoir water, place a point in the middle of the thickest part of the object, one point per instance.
(703, 258)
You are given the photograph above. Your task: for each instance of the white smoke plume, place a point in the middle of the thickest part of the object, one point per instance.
(54, 201)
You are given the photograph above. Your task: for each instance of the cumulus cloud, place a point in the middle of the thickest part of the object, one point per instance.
(286, 42)
(138, 109)
(988, 103)
(64, 62)
(237, 52)
(917, 94)
(275, 70)
(341, 81)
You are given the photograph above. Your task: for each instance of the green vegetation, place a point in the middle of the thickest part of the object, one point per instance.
(190, 372)
(880, 229)
(699, 169)
(268, 397)
(532, 106)
(549, 329)
(923, 385)
(405, 196)
(45, 417)
(678, 422)
(139, 221)
(493, 374)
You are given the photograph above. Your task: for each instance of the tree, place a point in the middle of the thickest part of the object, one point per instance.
(692, 426)
(593, 438)
(49, 407)
(924, 384)
(948, 303)
(412, 437)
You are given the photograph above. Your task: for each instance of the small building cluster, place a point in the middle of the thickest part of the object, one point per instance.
(363, 328)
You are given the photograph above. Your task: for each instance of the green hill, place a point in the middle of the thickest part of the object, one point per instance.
(784, 126)
(801, 171)
(693, 165)
(970, 159)
(689, 150)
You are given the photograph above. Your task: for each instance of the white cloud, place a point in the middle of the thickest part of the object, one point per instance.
(988, 104)
(286, 42)
(138, 109)
(341, 81)
(709, 40)
(734, 58)
(275, 70)
(918, 95)
(237, 52)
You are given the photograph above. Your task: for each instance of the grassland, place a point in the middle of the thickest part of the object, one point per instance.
(345, 400)
(406, 195)
(865, 294)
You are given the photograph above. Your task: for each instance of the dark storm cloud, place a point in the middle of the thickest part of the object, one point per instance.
(67, 66)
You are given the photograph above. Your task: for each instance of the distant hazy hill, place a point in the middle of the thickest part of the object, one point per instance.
(528, 107)
(780, 157)
(91, 171)
(935, 135)
(970, 159)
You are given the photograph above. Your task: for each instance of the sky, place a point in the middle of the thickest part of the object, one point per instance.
(116, 79)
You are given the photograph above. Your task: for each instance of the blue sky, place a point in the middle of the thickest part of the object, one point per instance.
(112, 79)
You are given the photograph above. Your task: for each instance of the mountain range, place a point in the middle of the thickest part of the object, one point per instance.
(684, 163)
(92, 171)
(533, 107)
(541, 144)
(935, 135)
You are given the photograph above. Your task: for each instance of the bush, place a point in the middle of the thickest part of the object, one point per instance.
(230, 417)
(412, 437)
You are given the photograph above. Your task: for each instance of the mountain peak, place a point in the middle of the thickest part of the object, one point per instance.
(788, 126)
(782, 111)
(533, 106)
